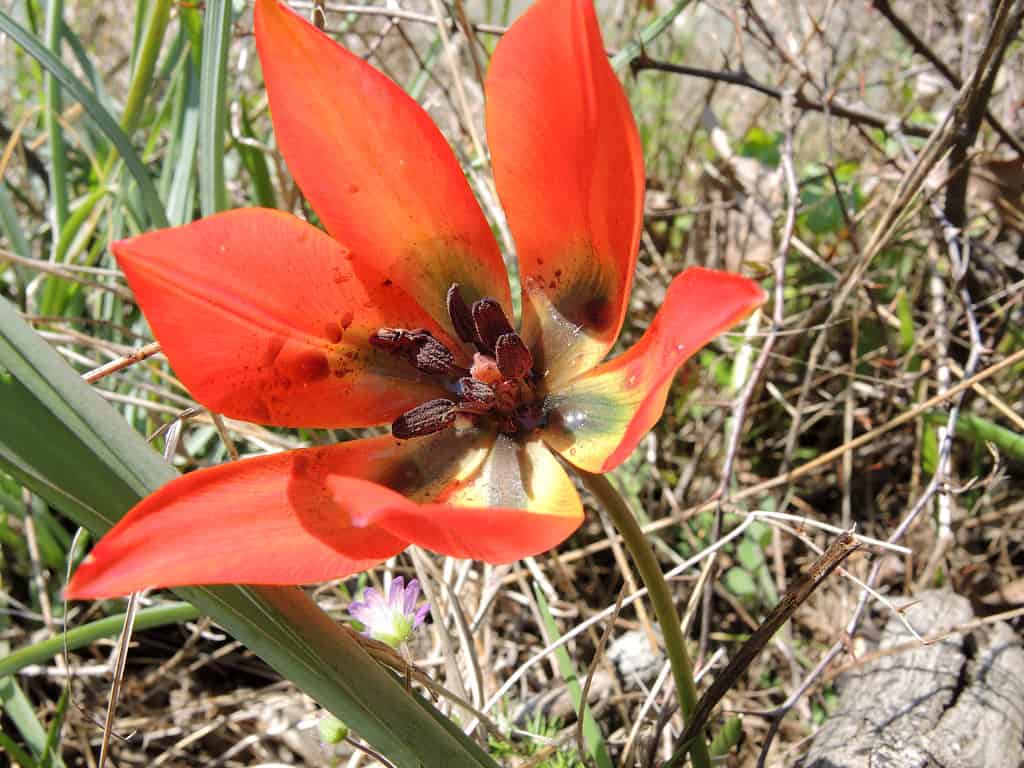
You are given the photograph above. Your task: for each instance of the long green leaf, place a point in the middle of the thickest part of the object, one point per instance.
(61, 440)
(185, 138)
(81, 93)
(213, 196)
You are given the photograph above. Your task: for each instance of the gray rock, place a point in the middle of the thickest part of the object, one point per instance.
(930, 706)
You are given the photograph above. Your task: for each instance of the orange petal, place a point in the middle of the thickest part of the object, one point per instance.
(284, 518)
(374, 166)
(518, 503)
(273, 520)
(598, 419)
(263, 319)
(569, 171)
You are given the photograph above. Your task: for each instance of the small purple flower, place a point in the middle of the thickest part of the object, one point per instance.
(392, 619)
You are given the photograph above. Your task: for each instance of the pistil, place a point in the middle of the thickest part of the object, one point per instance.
(501, 382)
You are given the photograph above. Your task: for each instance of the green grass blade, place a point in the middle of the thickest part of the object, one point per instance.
(79, 637)
(61, 440)
(905, 313)
(213, 196)
(59, 291)
(422, 78)
(256, 164)
(591, 732)
(51, 751)
(727, 737)
(18, 709)
(180, 169)
(16, 753)
(981, 430)
(81, 93)
(54, 130)
(647, 35)
(10, 225)
(82, 58)
(145, 63)
(12, 230)
(15, 706)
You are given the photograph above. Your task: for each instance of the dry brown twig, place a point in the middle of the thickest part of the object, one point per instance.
(841, 548)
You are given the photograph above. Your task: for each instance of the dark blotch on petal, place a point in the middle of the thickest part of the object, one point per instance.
(462, 317)
(311, 366)
(425, 419)
(491, 323)
(597, 314)
(514, 359)
(333, 332)
(274, 346)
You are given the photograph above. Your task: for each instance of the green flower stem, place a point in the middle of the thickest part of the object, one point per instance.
(661, 600)
(80, 637)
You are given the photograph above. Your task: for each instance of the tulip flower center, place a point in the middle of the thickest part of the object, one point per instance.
(499, 387)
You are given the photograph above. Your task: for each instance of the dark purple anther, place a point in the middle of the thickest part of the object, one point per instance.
(460, 314)
(491, 323)
(393, 340)
(476, 392)
(419, 347)
(514, 359)
(425, 419)
(434, 357)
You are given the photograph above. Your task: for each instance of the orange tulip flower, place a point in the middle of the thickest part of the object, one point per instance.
(401, 314)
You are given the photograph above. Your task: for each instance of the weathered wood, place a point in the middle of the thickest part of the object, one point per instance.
(957, 703)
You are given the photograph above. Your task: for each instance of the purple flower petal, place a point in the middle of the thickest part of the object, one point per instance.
(359, 611)
(392, 616)
(412, 594)
(395, 591)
